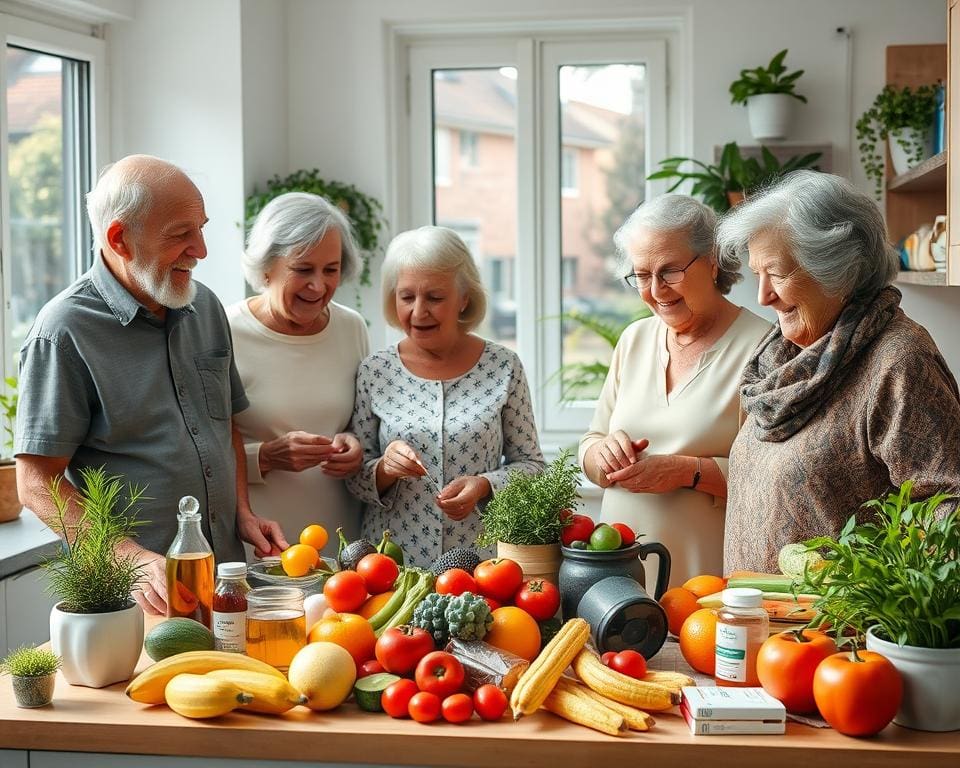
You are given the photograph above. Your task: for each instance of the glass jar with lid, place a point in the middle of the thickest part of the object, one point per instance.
(276, 625)
(742, 627)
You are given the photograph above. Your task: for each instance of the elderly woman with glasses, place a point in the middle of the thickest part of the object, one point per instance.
(669, 409)
(847, 397)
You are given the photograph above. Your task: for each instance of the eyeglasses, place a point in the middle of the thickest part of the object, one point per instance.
(672, 276)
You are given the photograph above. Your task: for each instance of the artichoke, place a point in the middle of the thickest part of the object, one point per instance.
(468, 617)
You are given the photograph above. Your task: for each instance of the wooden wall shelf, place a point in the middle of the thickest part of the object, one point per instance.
(929, 176)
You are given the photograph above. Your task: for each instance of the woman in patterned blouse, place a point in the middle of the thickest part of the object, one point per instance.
(444, 414)
(846, 397)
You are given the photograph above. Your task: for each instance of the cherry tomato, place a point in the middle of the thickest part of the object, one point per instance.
(345, 591)
(578, 528)
(858, 693)
(399, 649)
(539, 598)
(627, 536)
(498, 578)
(395, 698)
(314, 535)
(786, 663)
(379, 572)
(490, 702)
(298, 560)
(457, 708)
(370, 667)
(424, 707)
(456, 581)
(630, 663)
(440, 673)
(605, 658)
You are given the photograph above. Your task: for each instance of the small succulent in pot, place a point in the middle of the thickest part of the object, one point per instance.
(33, 671)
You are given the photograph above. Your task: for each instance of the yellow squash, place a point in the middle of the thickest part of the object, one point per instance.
(199, 696)
(271, 695)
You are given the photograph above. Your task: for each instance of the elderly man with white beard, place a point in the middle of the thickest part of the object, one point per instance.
(131, 369)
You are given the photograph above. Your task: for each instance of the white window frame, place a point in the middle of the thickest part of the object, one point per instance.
(531, 47)
(56, 42)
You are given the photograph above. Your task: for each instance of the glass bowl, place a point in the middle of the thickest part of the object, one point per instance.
(269, 572)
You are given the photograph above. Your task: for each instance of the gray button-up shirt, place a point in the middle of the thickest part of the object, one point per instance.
(107, 383)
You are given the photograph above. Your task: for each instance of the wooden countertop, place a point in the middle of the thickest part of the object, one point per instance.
(89, 720)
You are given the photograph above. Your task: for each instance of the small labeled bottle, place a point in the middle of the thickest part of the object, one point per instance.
(190, 567)
(230, 608)
(742, 627)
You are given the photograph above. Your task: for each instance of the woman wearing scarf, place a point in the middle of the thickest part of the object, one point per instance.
(846, 397)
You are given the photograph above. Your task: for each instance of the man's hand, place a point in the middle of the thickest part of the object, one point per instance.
(347, 459)
(460, 496)
(266, 536)
(653, 474)
(295, 452)
(151, 591)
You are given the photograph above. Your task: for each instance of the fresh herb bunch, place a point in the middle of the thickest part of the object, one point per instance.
(526, 510)
(27, 661)
(8, 409)
(893, 110)
(89, 575)
(899, 573)
(768, 79)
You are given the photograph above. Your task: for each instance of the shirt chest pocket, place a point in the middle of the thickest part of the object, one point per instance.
(214, 370)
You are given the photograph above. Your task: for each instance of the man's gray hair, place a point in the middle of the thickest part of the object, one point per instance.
(677, 213)
(290, 225)
(835, 232)
(433, 249)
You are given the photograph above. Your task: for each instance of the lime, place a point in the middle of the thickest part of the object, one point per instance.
(367, 690)
(605, 538)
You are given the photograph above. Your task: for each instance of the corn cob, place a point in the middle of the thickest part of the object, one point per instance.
(674, 680)
(584, 711)
(635, 693)
(541, 676)
(636, 719)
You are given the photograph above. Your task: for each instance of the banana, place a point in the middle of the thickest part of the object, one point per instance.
(271, 695)
(199, 696)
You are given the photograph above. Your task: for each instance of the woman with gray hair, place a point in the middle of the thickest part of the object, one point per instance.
(846, 397)
(297, 352)
(443, 415)
(668, 411)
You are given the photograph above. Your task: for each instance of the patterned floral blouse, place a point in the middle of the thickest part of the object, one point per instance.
(480, 423)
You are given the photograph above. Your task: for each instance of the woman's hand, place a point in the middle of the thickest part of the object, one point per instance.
(654, 474)
(614, 452)
(347, 459)
(398, 461)
(460, 496)
(295, 452)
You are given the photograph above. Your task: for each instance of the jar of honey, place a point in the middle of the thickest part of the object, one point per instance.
(276, 625)
(230, 608)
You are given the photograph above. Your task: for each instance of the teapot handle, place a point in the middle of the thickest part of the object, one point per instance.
(663, 565)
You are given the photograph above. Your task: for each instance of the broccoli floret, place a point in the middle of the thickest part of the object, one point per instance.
(468, 617)
(430, 615)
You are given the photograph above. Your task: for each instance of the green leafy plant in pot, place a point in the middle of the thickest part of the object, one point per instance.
(96, 627)
(9, 501)
(896, 579)
(33, 672)
(525, 516)
(768, 93)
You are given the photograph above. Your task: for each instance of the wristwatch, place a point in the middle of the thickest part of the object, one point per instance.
(696, 476)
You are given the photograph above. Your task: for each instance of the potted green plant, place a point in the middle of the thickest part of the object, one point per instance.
(768, 93)
(896, 579)
(33, 672)
(904, 115)
(9, 501)
(525, 516)
(96, 627)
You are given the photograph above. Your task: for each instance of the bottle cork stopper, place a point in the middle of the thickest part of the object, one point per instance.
(189, 506)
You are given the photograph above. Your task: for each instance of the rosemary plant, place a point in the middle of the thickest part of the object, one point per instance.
(30, 662)
(90, 575)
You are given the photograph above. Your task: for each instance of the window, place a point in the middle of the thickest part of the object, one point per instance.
(46, 138)
(469, 149)
(568, 129)
(441, 158)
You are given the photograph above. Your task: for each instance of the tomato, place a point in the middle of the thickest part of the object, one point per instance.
(605, 658)
(578, 528)
(424, 707)
(345, 591)
(630, 663)
(539, 598)
(498, 578)
(627, 536)
(490, 702)
(786, 663)
(379, 572)
(457, 708)
(399, 649)
(298, 560)
(440, 673)
(604, 538)
(456, 581)
(314, 535)
(370, 667)
(857, 692)
(395, 698)
(494, 604)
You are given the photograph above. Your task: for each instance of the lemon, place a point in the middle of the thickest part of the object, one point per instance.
(324, 673)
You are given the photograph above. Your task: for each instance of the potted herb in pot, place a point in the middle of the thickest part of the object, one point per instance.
(9, 501)
(768, 93)
(96, 627)
(896, 578)
(904, 115)
(524, 518)
(33, 672)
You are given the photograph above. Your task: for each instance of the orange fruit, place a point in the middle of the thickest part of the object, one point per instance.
(516, 631)
(698, 640)
(314, 535)
(374, 604)
(678, 604)
(299, 559)
(702, 586)
(349, 631)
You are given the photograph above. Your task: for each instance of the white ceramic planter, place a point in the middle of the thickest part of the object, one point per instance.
(769, 115)
(931, 684)
(97, 649)
(902, 162)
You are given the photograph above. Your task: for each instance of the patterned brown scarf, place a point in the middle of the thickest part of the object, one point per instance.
(784, 385)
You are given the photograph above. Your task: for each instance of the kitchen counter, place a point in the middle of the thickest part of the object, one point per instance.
(24, 543)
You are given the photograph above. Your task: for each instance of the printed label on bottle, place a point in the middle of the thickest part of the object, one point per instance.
(731, 653)
(230, 631)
